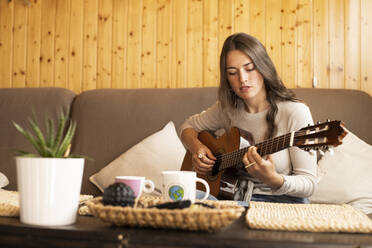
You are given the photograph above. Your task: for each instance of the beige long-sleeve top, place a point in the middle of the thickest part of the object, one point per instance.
(297, 167)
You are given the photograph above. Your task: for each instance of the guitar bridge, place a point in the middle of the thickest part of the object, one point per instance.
(227, 189)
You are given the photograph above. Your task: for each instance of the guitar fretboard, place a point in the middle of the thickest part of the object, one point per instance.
(266, 147)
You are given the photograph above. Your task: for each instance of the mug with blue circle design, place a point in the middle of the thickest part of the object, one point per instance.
(181, 185)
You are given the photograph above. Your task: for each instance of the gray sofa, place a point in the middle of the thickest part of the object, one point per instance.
(110, 121)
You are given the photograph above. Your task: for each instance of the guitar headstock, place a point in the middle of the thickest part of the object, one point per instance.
(320, 136)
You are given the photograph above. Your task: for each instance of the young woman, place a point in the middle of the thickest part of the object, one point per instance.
(252, 98)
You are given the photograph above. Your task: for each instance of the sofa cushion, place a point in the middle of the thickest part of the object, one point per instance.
(353, 107)
(345, 176)
(17, 105)
(161, 151)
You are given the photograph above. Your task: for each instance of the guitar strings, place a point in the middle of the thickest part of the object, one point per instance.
(260, 146)
(234, 156)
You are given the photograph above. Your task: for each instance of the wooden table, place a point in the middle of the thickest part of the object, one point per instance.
(92, 232)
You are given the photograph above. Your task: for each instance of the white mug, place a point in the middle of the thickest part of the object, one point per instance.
(137, 184)
(181, 185)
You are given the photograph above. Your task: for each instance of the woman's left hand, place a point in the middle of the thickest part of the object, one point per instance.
(263, 169)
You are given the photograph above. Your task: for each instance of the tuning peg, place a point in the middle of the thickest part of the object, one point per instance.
(312, 152)
(318, 122)
(321, 152)
(328, 120)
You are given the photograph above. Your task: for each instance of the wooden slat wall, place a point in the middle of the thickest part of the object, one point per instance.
(61, 45)
(89, 70)
(19, 53)
(148, 54)
(33, 45)
(6, 43)
(321, 43)
(366, 47)
(288, 44)
(89, 44)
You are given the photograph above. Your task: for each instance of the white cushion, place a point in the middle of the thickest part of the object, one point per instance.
(346, 176)
(161, 151)
(3, 180)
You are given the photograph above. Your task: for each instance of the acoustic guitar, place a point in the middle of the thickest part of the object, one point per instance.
(222, 179)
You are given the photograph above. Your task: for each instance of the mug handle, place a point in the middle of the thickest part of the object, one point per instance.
(149, 186)
(206, 185)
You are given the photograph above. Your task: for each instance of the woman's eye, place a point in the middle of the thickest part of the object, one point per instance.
(231, 73)
(250, 67)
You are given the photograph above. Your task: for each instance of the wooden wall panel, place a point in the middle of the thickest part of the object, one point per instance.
(366, 48)
(225, 21)
(149, 23)
(352, 44)
(210, 44)
(274, 32)
(288, 48)
(321, 43)
(119, 42)
(179, 54)
(75, 59)
(90, 34)
(336, 44)
(104, 55)
(33, 44)
(304, 43)
(89, 44)
(6, 43)
(241, 16)
(257, 19)
(194, 44)
(48, 20)
(19, 48)
(133, 77)
(163, 44)
(61, 43)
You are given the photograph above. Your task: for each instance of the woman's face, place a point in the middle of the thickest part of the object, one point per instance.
(244, 79)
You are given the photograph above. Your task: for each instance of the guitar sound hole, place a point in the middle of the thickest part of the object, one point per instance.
(215, 169)
(211, 177)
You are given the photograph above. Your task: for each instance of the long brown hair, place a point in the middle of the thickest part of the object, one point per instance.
(275, 89)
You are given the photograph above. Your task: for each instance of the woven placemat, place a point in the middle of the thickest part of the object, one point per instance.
(307, 217)
(196, 218)
(9, 204)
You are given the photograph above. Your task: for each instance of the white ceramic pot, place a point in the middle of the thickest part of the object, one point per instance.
(49, 189)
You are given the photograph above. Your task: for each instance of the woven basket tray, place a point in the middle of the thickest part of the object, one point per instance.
(196, 219)
(9, 203)
(307, 217)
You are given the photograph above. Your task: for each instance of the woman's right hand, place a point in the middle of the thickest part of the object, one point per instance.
(202, 159)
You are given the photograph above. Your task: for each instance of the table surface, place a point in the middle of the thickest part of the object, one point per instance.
(92, 232)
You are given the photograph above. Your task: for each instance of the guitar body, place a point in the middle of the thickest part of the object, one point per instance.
(228, 142)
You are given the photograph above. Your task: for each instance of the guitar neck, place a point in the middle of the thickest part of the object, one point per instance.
(266, 147)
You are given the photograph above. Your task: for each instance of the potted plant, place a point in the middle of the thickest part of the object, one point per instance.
(49, 182)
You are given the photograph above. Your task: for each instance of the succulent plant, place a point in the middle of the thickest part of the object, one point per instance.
(54, 144)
